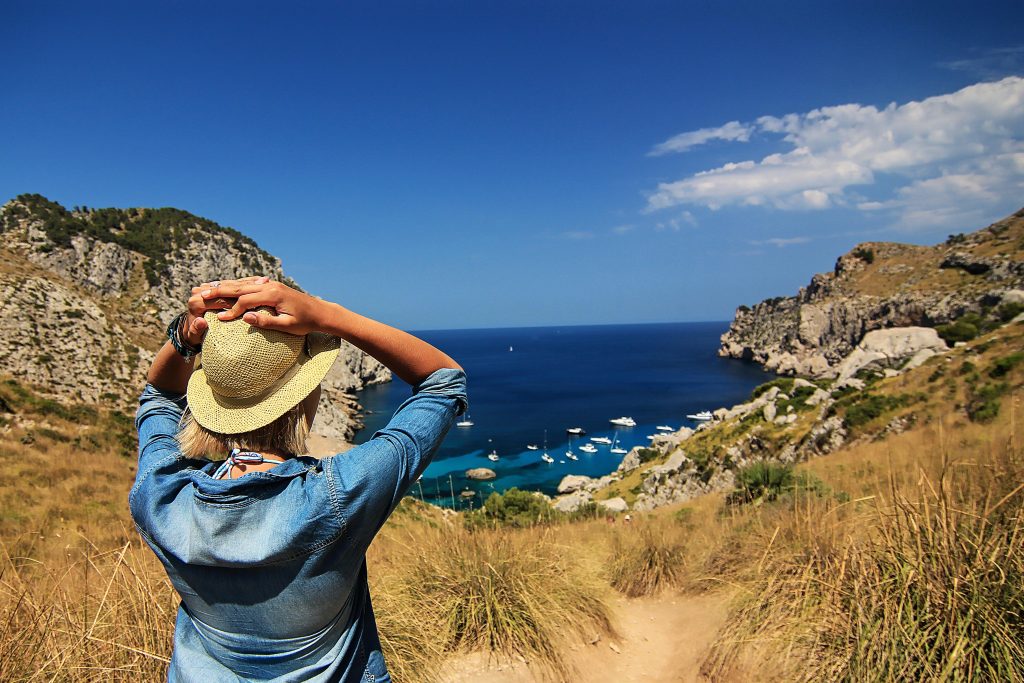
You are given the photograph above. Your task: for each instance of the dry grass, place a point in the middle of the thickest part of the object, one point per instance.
(921, 580)
(506, 592)
(647, 560)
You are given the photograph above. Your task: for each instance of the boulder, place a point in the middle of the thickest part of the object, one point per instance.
(769, 412)
(573, 482)
(1012, 296)
(481, 474)
(572, 502)
(630, 461)
(800, 383)
(817, 397)
(890, 348)
(614, 504)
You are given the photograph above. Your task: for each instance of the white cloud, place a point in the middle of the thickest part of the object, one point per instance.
(781, 242)
(937, 154)
(732, 131)
(676, 224)
(990, 63)
(623, 229)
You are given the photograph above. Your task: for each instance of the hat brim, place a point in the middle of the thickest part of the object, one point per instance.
(225, 415)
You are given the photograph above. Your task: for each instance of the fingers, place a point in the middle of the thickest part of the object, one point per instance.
(253, 279)
(244, 303)
(196, 331)
(268, 320)
(233, 290)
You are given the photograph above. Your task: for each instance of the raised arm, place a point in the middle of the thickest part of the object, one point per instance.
(410, 358)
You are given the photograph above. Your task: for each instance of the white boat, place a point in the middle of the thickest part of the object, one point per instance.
(616, 448)
(703, 416)
(652, 437)
(493, 456)
(623, 421)
(532, 447)
(664, 428)
(569, 454)
(578, 431)
(466, 422)
(547, 458)
(588, 448)
(601, 440)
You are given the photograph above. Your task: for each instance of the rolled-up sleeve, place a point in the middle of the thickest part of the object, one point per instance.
(372, 478)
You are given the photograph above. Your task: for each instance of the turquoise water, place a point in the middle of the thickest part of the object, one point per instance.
(560, 377)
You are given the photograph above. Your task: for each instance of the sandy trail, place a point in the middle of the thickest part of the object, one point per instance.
(663, 640)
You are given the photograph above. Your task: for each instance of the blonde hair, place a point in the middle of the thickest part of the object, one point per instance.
(286, 434)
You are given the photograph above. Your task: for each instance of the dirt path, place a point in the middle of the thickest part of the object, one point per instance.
(663, 640)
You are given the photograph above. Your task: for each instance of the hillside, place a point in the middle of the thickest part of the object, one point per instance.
(86, 294)
(880, 285)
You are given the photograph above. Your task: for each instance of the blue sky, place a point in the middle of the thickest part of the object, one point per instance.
(457, 164)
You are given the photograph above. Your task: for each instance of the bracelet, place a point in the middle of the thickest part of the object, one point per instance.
(187, 351)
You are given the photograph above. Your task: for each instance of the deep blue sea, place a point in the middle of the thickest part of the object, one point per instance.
(523, 381)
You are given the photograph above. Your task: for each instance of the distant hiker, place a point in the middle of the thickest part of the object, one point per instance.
(267, 548)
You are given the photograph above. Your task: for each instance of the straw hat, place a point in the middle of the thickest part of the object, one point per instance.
(247, 377)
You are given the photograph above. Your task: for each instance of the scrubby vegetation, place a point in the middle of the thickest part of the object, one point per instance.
(155, 233)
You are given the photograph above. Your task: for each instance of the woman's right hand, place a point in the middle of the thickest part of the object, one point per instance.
(293, 311)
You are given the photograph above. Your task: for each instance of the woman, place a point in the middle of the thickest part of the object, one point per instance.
(267, 550)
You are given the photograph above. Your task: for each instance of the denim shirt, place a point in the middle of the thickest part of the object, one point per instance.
(271, 566)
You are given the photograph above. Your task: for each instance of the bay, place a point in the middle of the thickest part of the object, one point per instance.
(523, 381)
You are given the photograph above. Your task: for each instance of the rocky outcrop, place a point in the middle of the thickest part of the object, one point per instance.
(573, 482)
(84, 311)
(900, 347)
(876, 286)
(481, 474)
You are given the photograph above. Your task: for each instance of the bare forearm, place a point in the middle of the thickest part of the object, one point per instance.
(170, 372)
(409, 357)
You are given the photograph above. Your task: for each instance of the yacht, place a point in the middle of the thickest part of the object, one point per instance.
(588, 448)
(702, 416)
(623, 421)
(547, 458)
(578, 431)
(532, 447)
(664, 428)
(604, 440)
(569, 454)
(465, 422)
(652, 437)
(493, 456)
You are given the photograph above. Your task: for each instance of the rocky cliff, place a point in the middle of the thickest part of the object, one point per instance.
(85, 296)
(880, 285)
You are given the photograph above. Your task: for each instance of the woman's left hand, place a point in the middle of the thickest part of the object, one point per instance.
(195, 326)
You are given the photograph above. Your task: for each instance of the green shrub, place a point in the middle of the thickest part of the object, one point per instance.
(1003, 365)
(761, 481)
(867, 407)
(785, 384)
(984, 403)
(958, 331)
(1008, 312)
(864, 254)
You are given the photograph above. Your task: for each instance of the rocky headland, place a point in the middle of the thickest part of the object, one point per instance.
(880, 285)
(85, 295)
(886, 311)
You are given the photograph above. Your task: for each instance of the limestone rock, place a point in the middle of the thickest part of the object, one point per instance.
(630, 461)
(614, 504)
(769, 411)
(889, 349)
(572, 502)
(481, 474)
(573, 482)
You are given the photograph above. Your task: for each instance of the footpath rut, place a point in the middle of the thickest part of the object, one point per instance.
(662, 640)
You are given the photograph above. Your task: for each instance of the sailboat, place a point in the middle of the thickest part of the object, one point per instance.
(569, 454)
(464, 422)
(493, 455)
(616, 448)
(546, 457)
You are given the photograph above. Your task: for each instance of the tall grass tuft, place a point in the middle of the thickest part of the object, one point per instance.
(647, 560)
(514, 594)
(926, 586)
